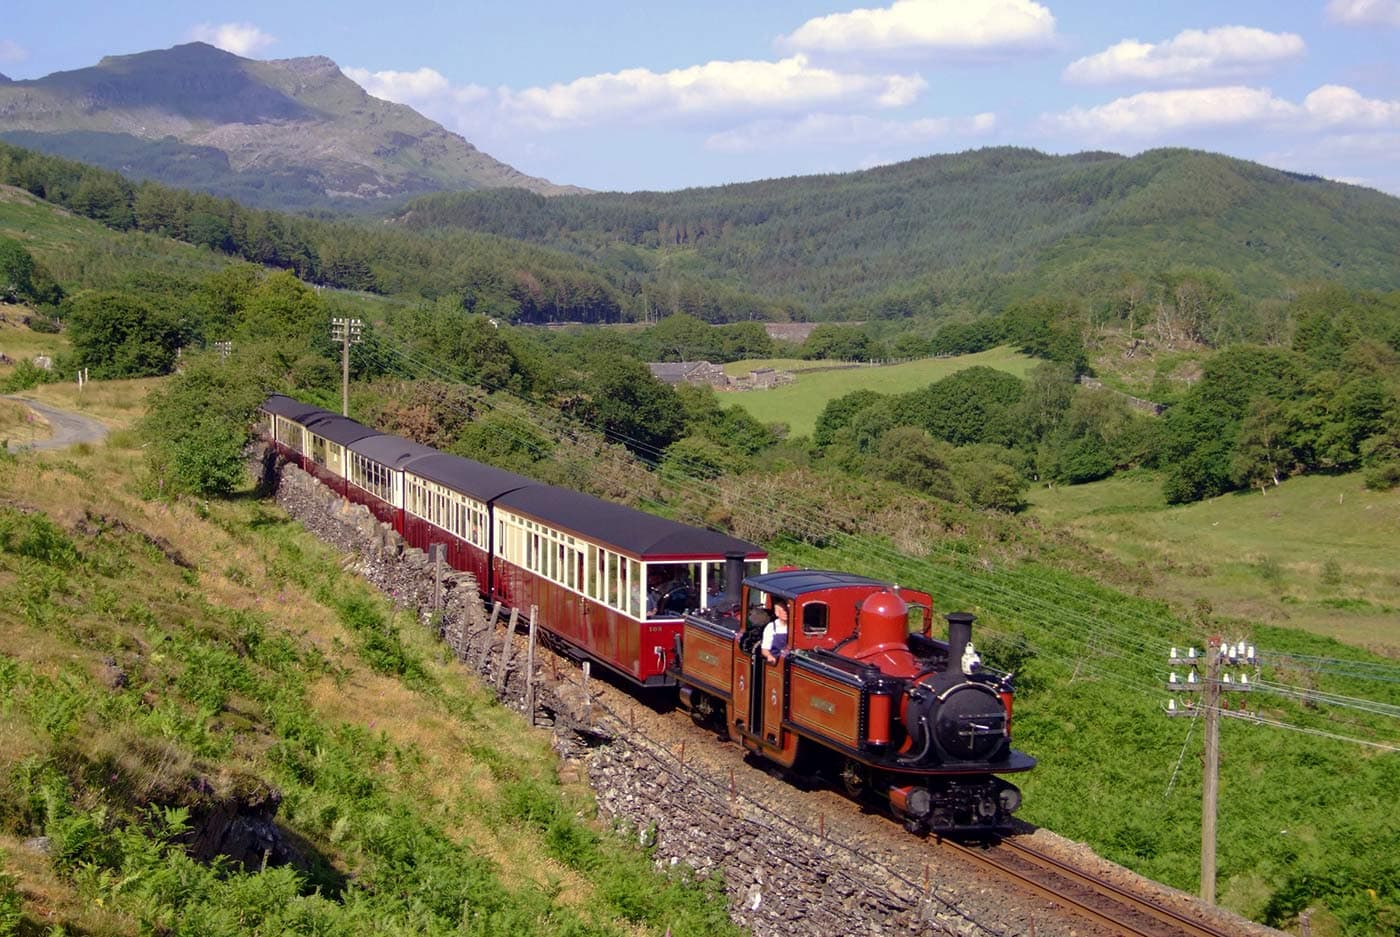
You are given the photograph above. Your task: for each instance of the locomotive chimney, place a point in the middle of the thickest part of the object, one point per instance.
(733, 579)
(959, 634)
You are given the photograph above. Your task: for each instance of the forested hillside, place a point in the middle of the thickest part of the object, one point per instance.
(972, 231)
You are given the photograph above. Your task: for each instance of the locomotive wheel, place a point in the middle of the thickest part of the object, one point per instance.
(855, 779)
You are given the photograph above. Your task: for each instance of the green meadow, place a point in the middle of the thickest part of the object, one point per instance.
(800, 403)
(1315, 553)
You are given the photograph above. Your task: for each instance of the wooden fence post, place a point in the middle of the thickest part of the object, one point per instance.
(530, 666)
(486, 638)
(588, 705)
(439, 554)
(506, 650)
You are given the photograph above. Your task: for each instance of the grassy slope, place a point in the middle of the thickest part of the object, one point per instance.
(800, 403)
(266, 660)
(1316, 553)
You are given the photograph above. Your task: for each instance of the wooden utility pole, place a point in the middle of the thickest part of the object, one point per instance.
(347, 332)
(1211, 782)
(1210, 689)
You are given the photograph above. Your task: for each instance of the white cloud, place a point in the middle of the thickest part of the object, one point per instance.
(423, 87)
(1365, 12)
(1194, 55)
(11, 52)
(239, 38)
(640, 95)
(915, 26)
(1154, 112)
(844, 130)
(1340, 106)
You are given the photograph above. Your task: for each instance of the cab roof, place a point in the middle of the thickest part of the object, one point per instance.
(791, 583)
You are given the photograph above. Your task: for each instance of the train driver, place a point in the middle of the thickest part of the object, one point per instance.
(775, 633)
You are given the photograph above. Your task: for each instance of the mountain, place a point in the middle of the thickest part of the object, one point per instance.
(287, 134)
(975, 229)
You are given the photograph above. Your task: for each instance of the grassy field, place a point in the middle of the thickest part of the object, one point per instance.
(1317, 553)
(800, 403)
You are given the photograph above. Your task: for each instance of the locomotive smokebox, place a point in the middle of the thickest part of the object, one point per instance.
(959, 634)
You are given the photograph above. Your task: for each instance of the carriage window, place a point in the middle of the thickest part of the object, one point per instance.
(814, 618)
(634, 591)
(612, 572)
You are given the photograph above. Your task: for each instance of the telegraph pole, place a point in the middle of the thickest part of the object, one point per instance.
(1216, 657)
(347, 332)
(1210, 784)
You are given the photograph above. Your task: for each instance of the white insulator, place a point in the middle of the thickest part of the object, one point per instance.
(1172, 678)
(1171, 704)
(1226, 680)
(1244, 679)
(1174, 654)
(1250, 656)
(1191, 652)
(1191, 677)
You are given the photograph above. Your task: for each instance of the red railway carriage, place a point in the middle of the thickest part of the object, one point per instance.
(284, 420)
(448, 501)
(376, 470)
(610, 581)
(864, 692)
(327, 455)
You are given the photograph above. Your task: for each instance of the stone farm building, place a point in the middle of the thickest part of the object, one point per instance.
(689, 372)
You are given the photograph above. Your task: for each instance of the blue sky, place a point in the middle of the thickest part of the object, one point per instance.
(622, 95)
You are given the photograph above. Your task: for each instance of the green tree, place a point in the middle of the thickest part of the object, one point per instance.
(16, 271)
(838, 414)
(910, 456)
(117, 334)
(197, 426)
(623, 400)
(1262, 453)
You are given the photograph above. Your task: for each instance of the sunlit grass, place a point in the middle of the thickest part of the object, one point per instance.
(1318, 552)
(800, 403)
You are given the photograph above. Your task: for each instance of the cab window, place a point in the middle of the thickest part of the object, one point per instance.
(814, 618)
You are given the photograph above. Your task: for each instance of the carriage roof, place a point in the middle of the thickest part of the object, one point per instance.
(338, 429)
(476, 479)
(292, 409)
(391, 451)
(632, 531)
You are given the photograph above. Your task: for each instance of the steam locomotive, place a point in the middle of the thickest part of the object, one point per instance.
(862, 693)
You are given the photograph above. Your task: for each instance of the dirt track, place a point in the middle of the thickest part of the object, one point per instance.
(69, 428)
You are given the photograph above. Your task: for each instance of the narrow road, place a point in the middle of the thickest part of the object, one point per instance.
(68, 428)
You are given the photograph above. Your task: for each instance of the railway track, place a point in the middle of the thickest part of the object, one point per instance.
(1084, 892)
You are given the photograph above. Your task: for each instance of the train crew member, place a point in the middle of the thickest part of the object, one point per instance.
(775, 633)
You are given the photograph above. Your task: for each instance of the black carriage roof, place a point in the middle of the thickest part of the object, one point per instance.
(292, 409)
(480, 481)
(338, 429)
(790, 583)
(627, 529)
(391, 451)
